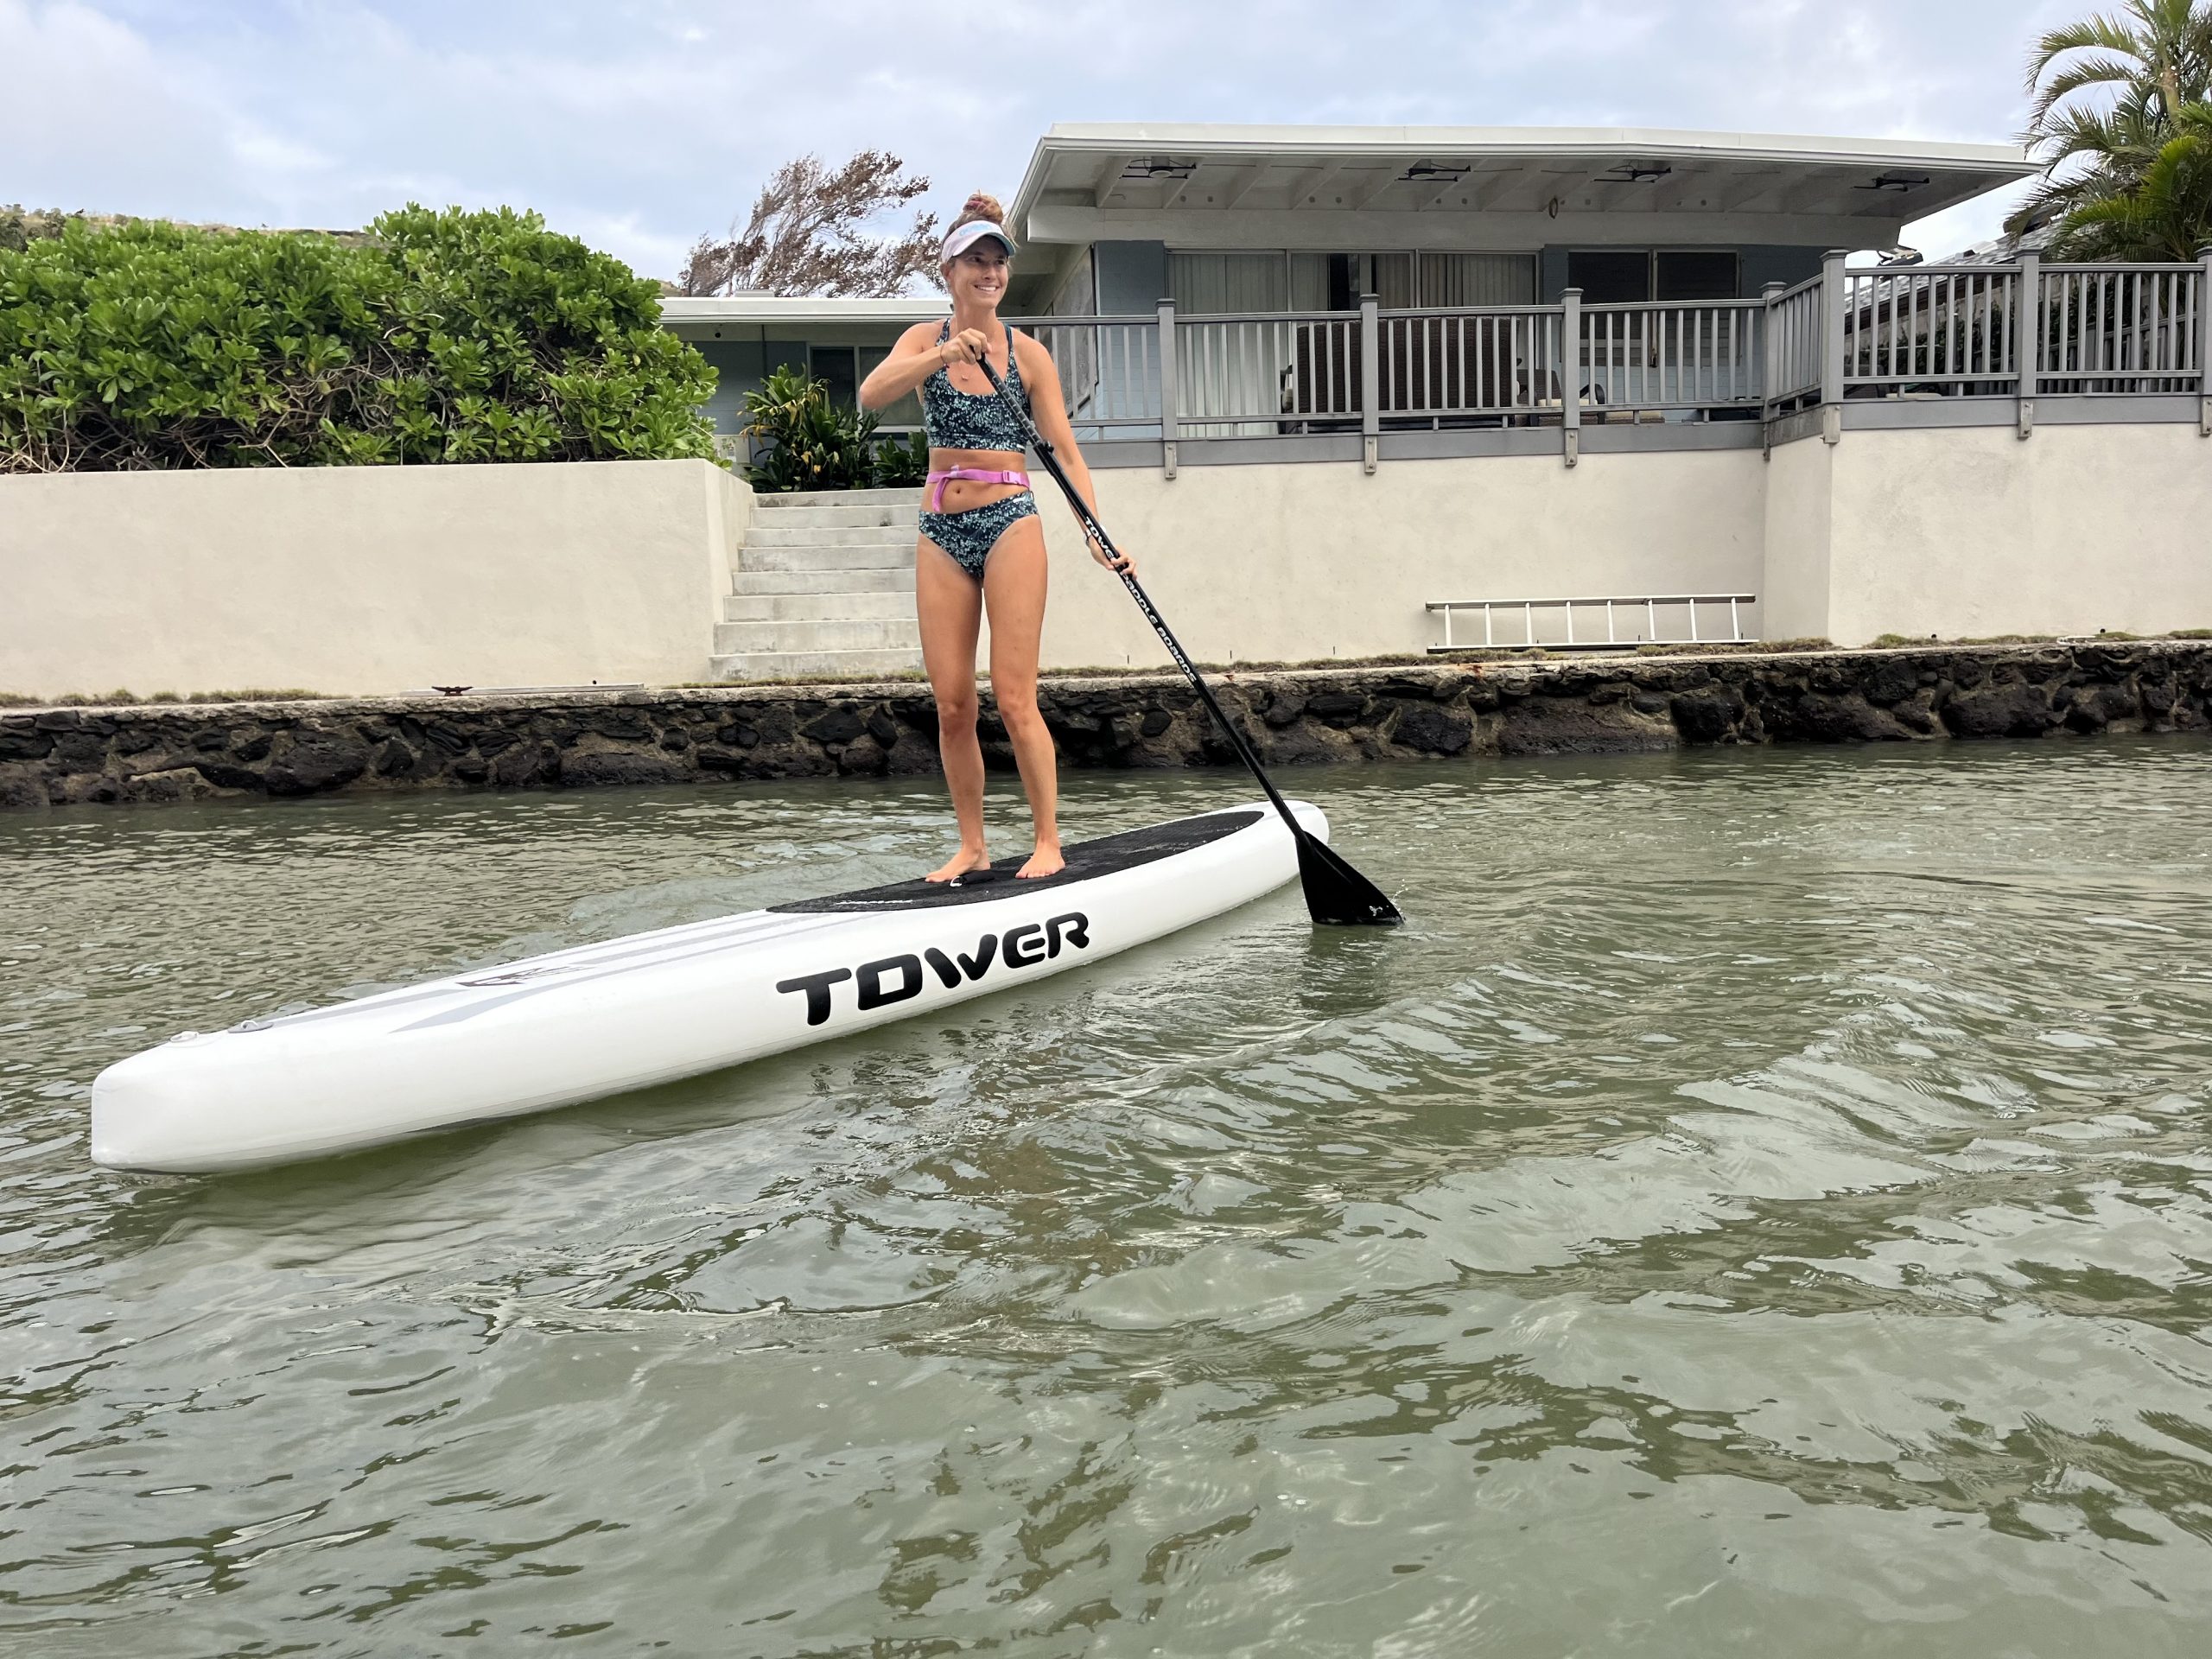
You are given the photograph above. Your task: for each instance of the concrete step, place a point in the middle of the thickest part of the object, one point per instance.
(818, 607)
(779, 532)
(782, 502)
(874, 634)
(863, 579)
(882, 514)
(794, 664)
(858, 555)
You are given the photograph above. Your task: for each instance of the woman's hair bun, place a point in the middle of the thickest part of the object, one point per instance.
(980, 206)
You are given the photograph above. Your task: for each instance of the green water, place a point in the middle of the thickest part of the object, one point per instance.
(1759, 1206)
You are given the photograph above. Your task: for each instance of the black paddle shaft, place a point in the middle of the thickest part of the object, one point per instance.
(1336, 893)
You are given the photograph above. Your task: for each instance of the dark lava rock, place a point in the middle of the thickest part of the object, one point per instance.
(308, 765)
(228, 774)
(1155, 721)
(2012, 710)
(1570, 725)
(22, 789)
(1707, 716)
(21, 740)
(840, 725)
(623, 725)
(882, 728)
(177, 784)
(1337, 708)
(2095, 707)
(1819, 717)
(80, 750)
(862, 757)
(525, 765)
(597, 767)
(1283, 707)
(1892, 680)
(1433, 730)
(914, 754)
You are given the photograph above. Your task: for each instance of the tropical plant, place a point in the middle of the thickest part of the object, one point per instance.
(2165, 212)
(902, 463)
(2111, 94)
(808, 233)
(804, 440)
(443, 336)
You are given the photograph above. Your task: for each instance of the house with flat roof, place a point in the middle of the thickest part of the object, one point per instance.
(1379, 389)
(1217, 221)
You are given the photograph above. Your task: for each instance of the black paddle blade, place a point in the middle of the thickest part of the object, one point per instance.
(1337, 895)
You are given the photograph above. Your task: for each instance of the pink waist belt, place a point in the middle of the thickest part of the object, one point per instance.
(938, 480)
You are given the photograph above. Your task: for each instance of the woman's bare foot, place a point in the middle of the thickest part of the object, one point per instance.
(961, 863)
(1046, 861)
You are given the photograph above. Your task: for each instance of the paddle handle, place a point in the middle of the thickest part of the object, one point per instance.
(1096, 532)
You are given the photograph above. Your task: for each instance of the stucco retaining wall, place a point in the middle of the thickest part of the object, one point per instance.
(1966, 532)
(1443, 713)
(337, 579)
(1288, 563)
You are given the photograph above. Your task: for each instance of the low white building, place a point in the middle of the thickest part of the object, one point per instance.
(1365, 389)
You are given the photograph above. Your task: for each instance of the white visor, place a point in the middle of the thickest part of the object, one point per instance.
(958, 242)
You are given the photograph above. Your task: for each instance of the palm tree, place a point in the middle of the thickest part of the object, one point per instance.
(2166, 212)
(2155, 60)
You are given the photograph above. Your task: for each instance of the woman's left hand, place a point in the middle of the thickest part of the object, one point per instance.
(1121, 567)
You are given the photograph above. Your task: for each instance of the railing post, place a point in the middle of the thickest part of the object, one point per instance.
(1169, 394)
(1570, 375)
(2204, 341)
(1771, 350)
(1834, 296)
(1370, 379)
(2027, 336)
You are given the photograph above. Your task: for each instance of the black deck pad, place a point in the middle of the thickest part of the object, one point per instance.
(1085, 860)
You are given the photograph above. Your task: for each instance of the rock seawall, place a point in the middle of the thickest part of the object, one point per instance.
(1445, 710)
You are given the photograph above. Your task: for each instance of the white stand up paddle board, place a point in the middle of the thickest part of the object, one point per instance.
(601, 1019)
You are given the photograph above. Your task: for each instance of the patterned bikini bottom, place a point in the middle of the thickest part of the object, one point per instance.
(969, 537)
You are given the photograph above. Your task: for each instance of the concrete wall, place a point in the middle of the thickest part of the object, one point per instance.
(1296, 561)
(364, 579)
(376, 579)
(1793, 590)
(1971, 533)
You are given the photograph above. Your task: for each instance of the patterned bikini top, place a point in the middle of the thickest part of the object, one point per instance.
(971, 420)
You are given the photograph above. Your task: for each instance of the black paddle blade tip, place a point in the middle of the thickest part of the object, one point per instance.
(1337, 895)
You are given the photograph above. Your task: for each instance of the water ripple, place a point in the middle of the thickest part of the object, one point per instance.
(1760, 1203)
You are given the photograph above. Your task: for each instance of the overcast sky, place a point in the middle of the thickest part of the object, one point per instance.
(639, 126)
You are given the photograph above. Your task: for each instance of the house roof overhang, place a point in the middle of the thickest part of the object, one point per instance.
(701, 318)
(1339, 186)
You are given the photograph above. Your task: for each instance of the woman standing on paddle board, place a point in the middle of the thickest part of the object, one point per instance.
(982, 545)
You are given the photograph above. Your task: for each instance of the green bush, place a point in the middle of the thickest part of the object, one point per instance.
(804, 440)
(903, 463)
(443, 336)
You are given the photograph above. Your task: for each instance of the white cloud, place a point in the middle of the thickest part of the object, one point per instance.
(641, 126)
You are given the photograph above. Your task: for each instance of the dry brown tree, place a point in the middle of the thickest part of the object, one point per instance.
(809, 233)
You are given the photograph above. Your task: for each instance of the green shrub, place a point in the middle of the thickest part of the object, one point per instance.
(903, 463)
(443, 336)
(804, 441)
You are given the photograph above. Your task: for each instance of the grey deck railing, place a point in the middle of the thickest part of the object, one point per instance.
(1919, 333)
